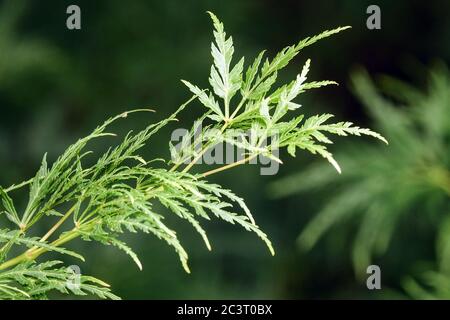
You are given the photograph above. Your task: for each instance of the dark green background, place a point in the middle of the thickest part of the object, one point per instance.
(57, 84)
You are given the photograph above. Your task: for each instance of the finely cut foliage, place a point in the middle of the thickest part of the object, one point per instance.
(119, 192)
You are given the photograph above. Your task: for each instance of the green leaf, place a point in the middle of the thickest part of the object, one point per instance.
(251, 73)
(36, 280)
(8, 204)
(6, 235)
(224, 82)
(208, 101)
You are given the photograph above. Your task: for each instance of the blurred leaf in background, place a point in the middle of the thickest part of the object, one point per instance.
(21, 56)
(432, 279)
(381, 188)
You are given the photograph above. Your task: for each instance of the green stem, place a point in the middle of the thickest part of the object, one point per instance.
(58, 224)
(74, 233)
(34, 253)
(18, 186)
(205, 148)
(13, 262)
(229, 166)
(224, 127)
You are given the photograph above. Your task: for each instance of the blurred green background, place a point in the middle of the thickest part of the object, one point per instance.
(57, 84)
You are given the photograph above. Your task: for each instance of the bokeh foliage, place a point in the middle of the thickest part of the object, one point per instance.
(132, 54)
(380, 189)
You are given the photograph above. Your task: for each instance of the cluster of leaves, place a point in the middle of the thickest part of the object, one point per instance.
(261, 108)
(36, 280)
(383, 189)
(119, 192)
